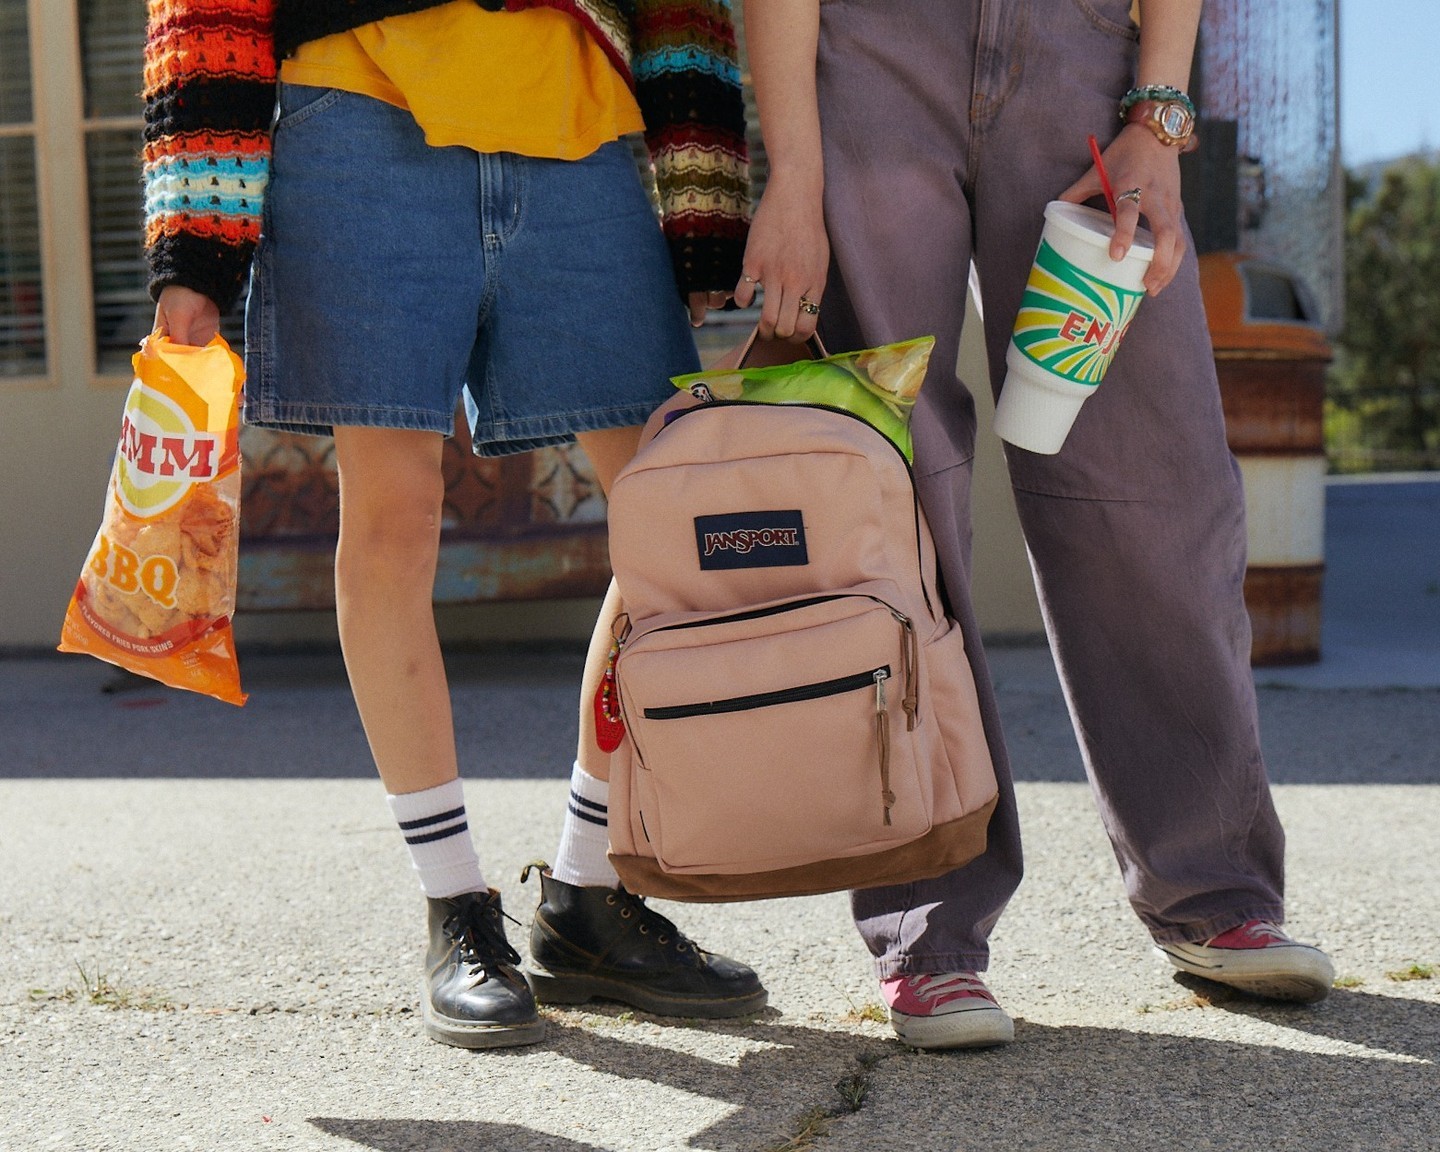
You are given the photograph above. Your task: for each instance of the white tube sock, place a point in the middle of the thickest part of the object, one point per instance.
(585, 839)
(438, 835)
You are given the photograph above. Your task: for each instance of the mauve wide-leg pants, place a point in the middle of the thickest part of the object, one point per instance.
(948, 125)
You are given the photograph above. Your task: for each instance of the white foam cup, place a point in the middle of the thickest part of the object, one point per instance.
(1077, 306)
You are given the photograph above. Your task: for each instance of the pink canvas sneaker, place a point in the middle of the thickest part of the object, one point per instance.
(946, 1010)
(1259, 958)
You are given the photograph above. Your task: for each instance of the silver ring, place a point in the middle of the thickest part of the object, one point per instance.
(751, 280)
(1129, 194)
(809, 307)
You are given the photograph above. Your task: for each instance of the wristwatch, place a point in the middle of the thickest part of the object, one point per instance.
(1172, 121)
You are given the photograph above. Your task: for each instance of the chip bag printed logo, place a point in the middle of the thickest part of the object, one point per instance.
(1070, 322)
(162, 454)
(157, 591)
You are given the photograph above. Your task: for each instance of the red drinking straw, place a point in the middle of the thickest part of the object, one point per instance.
(1104, 176)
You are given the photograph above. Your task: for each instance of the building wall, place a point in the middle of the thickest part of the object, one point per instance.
(58, 424)
(1269, 63)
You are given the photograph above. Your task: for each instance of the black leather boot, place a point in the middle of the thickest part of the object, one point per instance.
(475, 996)
(607, 943)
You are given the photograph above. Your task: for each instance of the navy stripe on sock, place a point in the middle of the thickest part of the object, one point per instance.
(463, 826)
(406, 825)
(574, 811)
(575, 796)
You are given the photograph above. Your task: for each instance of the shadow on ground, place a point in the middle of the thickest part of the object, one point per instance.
(1071, 1089)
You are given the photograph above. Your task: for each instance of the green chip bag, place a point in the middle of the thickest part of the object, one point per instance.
(879, 385)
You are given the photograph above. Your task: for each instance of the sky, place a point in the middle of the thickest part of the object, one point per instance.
(1389, 78)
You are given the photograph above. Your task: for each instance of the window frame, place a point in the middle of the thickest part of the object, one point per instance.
(60, 130)
(34, 130)
(130, 125)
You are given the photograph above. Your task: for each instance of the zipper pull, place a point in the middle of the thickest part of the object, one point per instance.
(882, 740)
(909, 659)
(911, 702)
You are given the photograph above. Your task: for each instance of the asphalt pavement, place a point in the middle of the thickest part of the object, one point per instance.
(210, 935)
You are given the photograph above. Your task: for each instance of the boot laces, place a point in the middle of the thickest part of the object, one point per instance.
(663, 928)
(477, 928)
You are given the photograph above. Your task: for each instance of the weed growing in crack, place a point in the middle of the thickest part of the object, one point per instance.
(1195, 1000)
(815, 1124)
(874, 1013)
(853, 1089)
(810, 1126)
(100, 990)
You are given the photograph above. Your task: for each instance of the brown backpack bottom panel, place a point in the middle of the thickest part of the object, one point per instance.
(943, 848)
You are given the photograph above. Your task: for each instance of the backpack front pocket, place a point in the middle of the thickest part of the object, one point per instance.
(774, 738)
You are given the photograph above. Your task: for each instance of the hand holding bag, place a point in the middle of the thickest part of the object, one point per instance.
(157, 590)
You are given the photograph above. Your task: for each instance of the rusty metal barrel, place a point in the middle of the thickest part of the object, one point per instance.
(1271, 357)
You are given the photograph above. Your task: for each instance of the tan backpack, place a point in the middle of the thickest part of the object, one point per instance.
(800, 713)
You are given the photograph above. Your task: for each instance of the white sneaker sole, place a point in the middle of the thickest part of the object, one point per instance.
(987, 1027)
(1295, 972)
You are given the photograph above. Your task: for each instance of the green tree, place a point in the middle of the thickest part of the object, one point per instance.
(1387, 381)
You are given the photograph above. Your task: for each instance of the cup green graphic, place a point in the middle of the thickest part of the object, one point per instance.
(1071, 322)
(1073, 315)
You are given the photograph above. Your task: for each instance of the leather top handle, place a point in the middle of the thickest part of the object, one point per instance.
(814, 344)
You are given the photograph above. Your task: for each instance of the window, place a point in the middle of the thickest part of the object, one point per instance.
(22, 293)
(73, 302)
(112, 36)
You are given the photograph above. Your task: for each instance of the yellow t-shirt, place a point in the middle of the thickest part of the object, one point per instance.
(533, 82)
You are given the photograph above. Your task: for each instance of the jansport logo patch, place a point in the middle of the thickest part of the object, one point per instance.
(751, 540)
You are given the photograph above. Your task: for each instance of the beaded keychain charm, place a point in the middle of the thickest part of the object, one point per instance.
(609, 725)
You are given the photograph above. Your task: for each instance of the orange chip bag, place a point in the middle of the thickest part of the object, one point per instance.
(158, 589)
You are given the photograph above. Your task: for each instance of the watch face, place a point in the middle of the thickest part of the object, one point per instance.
(1174, 119)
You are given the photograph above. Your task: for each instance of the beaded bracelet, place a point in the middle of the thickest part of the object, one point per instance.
(1155, 92)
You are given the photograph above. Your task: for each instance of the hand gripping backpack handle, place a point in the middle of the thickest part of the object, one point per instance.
(753, 353)
(771, 351)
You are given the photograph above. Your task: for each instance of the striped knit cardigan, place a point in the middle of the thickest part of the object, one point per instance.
(210, 70)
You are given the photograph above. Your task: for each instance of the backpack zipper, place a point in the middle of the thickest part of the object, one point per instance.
(909, 645)
(824, 688)
(761, 613)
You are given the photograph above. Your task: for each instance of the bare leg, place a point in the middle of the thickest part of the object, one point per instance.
(608, 452)
(391, 491)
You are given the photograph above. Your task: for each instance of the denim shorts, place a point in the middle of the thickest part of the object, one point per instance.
(391, 276)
